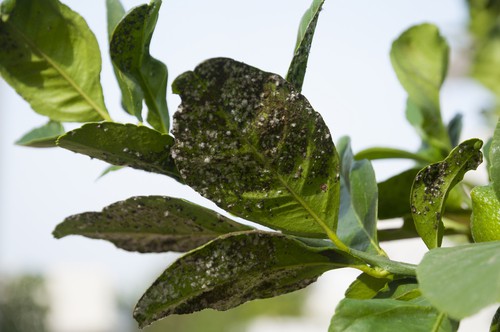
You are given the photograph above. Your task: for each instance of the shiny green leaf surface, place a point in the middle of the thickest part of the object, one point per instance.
(474, 270)
(353, 315)
(485, 218)
(432, 185)
(357, 226)
(129, 50)
(42, 137)
(366, 287)
(247, 140)
(119, 144)
(234, 269)
(420, 59)
(150, 224)
(46, 73)
(132, 95)
(297, 69)
(389, 153)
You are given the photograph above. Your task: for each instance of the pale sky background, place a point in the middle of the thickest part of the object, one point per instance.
(349, 81)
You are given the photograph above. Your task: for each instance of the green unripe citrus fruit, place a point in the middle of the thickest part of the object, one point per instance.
(485, 218)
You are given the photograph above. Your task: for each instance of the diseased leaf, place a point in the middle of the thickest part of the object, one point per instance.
(420, 59)
(495, 160)
(150, 224)
(31, 58)
(354, 315)
(390, 153)
(357, 226)
(366, 287)
(247, 140)
(132, 95)
(461, 280)
(394, 195)
(124, 145)
(297, 69)
(129, 50)
(43, 137)
(234, 269)
(432, 185)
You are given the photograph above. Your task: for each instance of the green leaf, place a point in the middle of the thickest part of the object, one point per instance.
(420, 59)
(45, 44)
(485, 218)
(43, 137)
(234, 269)
(432, 185)
(123, 145)
(390, 153)
(110, 169)
(366, 287)
(461, 280)
(150, 224)
(486, 64)
(247, 140)
(357, 226)
(132, 95)
(455, 129)
(129, 50)
(353, 315)
(394, 195)
(495, 322)
(403, 288)
(297, 69)
(494, 155)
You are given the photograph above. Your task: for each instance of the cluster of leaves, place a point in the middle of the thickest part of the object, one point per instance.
(250, 142)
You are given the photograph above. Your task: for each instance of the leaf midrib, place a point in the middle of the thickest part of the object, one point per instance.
(61, 72)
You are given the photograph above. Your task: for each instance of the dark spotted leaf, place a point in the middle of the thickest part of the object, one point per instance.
(494, 157)
(390, 153)
(432, 185)
(45, 44)
(247, 140)
(370, 315)
(123, 145)
(132, 95)
(420, 59)
(357, 226)
(129, 50)
(394, 195)
(43, 137)
(297, 69)
(150, 224)
(474, 270)
(234, 269)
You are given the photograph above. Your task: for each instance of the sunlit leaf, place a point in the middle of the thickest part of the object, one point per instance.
(42, 137)
(357, 226)
(234, 269)
(389, 153)
(373, 315)
(129, 50)
(110, 169)
(461, 280)
(485, 218)
(297, 69)
(366, 287)
(123, 145)
(394, 195)
(150, 224)
(420, 59)
(485, 67)
(247, 140)
(131, 92)
(494, 157)
(432, 185)
(46, 44)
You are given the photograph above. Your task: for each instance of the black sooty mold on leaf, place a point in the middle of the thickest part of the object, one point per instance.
(151, 224)
(432, 185)
(247, 140)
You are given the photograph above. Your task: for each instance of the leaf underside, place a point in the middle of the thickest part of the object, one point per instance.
(150, 224)
(31, 59)
(43, 137)
(247, 140)
(234, 269)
